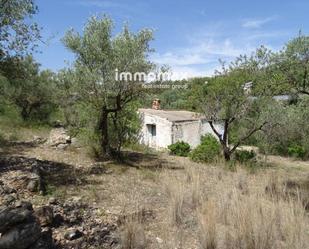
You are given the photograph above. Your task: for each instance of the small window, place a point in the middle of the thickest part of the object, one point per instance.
(152, 130)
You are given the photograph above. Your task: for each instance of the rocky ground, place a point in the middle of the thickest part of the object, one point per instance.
(52, 223)
(52, 195)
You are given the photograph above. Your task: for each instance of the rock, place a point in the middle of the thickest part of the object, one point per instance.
(97, 169)
(159, 240)
(44, 242)
(20, 229)
(2, 208)
(9, 199)
(6, 190)
(24, 204)
(21, 236)
(33, 185)
(13, 216)
(62, 146)
(73, 234)
(100, 168)
(45, 215)
(37, 140)
(52, 201)
(58, 136)
(58, 220)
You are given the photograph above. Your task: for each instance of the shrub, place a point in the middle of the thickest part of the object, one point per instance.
(297, 151)
(207, 151)
(244, 155)
(180, 148)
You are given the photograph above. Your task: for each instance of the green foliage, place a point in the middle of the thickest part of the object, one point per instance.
(293, 63)
(29, 89)
(180, 149)
(10, 115)
(297, 151)
(207, 151)
(17, 30)
(124, 127)
(288, 127)
(244, 156)
(90, 138)
(98, 54)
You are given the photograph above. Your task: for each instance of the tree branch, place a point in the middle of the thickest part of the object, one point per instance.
(214, 130)
(247, 136)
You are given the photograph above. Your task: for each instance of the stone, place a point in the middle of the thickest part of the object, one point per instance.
(37, 140)
(62, 146)
(13, 216)
(73, 234)
(159, 240)
(24, 204)
(21, 236)
(58, 136)
(45, 241)
(52, 201)
(45, 215)
(9, 199)
(58, 220)
(6, 190)
(33, 185)
(97, 169)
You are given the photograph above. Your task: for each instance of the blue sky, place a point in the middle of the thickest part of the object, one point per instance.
(190, 36)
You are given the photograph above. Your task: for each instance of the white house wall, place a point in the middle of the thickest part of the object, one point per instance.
(168, 132)
(163, 131)
(191, 132)
(206, 129)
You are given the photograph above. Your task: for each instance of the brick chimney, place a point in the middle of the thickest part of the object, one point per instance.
(156, 104)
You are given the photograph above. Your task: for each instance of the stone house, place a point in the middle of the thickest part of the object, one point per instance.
(160, 128)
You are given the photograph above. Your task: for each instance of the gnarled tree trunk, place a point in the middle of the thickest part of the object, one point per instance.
(103, 126)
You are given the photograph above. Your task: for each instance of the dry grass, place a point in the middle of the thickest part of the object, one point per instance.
(236, 210)
(133, 235)
(175, 193)
(193, 178)
(256, 222)
(207, 220)
(132, 223)
(253, 220)
(195, 205)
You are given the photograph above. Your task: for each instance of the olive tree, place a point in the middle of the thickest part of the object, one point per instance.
(98, 54)
(17, 30)
(28, 88)
(224, 100)
(293, 62)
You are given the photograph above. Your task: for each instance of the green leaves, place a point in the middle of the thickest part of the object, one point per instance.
(99, 54)
(17, 31)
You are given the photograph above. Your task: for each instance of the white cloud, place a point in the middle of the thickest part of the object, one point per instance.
(172, 58)
(257, 23)
(224, 41)
(201, 57)
(191, 72)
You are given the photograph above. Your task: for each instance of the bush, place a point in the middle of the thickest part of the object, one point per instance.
(297, 151)
(180, 148)
(207, 151)
(244, 155)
